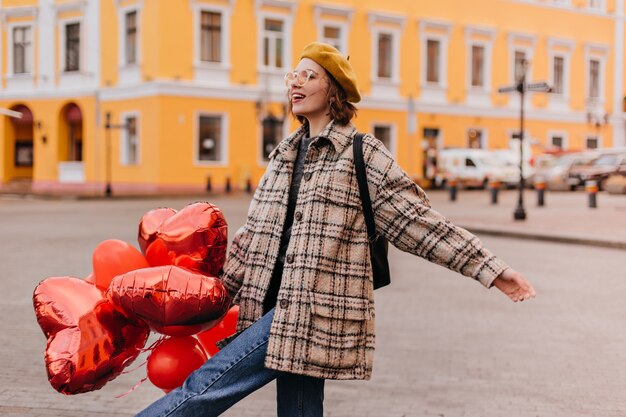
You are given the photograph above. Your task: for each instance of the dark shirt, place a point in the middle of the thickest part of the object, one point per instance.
(296, 178)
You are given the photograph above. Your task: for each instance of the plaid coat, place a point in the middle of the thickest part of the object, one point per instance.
(324, 319)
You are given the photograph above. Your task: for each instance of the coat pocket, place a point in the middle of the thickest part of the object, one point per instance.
(338, 330)
(339, 191)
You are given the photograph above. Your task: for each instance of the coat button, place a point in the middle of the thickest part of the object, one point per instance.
(298, 216)
(290, 259)
(307, 176)
(284, 303)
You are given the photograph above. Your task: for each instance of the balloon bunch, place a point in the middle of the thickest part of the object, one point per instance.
(97, 326)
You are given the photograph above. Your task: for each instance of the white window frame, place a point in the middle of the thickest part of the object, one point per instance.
(87, 73)
(479, 95)
(600, 5)
(390, 24)
(270, 77)
(30, 56)
(261, 161)
(63, 23)
(25, 81)
(217, 73)
(592, 136)
(395, 52)
(126, 42)
(598, 60)
(273, 54)
(484, 142)
(526, 43)
(599, 53)
(124, 138)
(273, 77)
(224, 137)
(559, 133)
(470, 66)
(393, 134)
(560, 48)
(343, 33)
(129, 73)
(528, 55)
(440, 31)
(343, 20)
(519, 42)
(122, 12)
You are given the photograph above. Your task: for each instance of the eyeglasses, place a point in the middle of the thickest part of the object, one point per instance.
(299, 78)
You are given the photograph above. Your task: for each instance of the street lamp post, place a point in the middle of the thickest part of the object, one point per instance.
(522, 87)
(108, 192)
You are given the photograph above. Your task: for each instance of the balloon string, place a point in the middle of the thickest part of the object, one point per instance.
(128, 371)
(150, 348)
(143, 350)
(133, 388)
(153, 345)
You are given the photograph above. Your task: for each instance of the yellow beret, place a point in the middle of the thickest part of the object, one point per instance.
(336, 64)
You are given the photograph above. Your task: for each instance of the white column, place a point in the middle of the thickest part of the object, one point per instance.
(93, 50)
(46, 49)
(617, 121)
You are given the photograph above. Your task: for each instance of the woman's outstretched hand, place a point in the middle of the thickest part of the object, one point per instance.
(514, 285)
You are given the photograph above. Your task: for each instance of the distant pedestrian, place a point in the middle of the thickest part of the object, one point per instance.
(299, 268)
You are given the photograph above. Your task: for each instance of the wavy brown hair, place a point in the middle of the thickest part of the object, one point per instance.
(340, 109)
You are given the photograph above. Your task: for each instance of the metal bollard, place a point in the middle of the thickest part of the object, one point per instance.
(591, 187)
(209, 186)
(494, 189)
(452, 186)
(540, 186)
(228, 186)
(248, 185)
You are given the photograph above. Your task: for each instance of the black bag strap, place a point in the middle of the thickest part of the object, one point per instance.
(361, 176)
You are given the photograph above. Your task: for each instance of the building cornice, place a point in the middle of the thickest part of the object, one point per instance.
(72, 6)
(18, 11)
(374, 18)
(334, 10)
(251, 93)
(289, 5)
(434, 24)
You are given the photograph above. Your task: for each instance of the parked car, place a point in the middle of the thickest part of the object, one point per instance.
(601, 168)
(554, 171)
(512, 158)
(473, 168)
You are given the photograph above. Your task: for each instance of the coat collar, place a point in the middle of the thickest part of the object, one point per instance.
(340, 136)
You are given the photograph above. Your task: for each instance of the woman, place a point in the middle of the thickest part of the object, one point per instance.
(300, 267)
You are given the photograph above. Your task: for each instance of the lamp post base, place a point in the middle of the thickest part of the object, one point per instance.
(520, 213)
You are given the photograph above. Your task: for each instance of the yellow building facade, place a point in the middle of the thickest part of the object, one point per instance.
(145, 96)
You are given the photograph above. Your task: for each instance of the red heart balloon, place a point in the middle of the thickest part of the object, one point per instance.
(195, 237)
(149, 225)
(171, 299)
(89, 341)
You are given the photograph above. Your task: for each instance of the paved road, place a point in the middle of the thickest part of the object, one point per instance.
(446, 346)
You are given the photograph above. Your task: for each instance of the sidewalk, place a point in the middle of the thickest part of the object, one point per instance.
(565, 217)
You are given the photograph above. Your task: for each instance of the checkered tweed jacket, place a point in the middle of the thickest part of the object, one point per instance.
(324, 319)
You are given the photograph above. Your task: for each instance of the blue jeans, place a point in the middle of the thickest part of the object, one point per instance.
(232, 374)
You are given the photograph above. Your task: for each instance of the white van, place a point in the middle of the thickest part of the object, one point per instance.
(473, 168)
